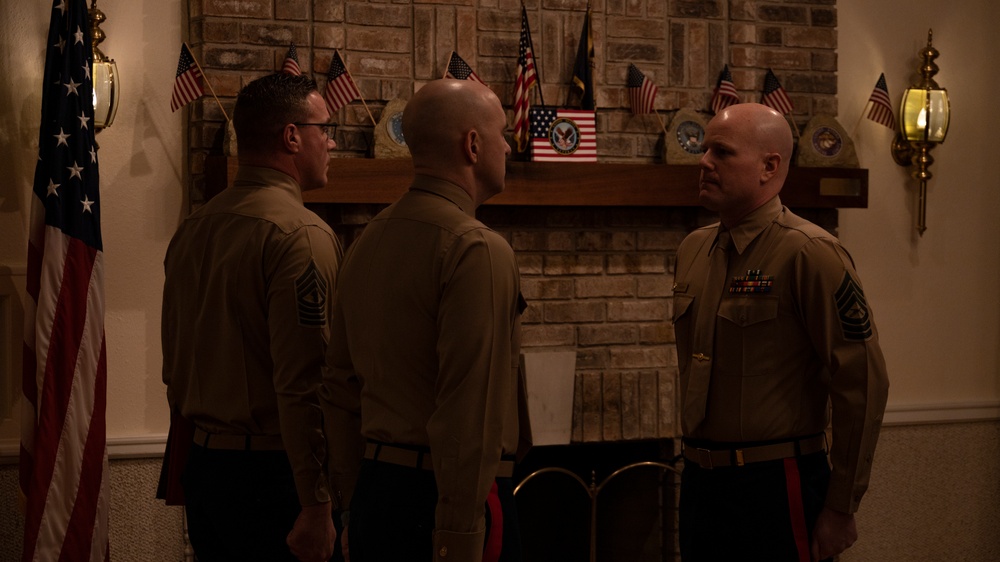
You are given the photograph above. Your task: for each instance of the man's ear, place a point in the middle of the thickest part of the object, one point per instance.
(772, 161)
(471, 146)
(291, 138)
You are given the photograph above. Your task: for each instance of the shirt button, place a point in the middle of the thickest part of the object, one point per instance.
(443, 552)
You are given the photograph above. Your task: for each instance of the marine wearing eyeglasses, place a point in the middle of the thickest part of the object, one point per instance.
(246, 305)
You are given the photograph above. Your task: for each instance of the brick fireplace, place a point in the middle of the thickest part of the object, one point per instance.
(596, 247)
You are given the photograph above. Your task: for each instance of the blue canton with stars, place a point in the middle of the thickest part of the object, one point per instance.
(66, 176)
(541, 121)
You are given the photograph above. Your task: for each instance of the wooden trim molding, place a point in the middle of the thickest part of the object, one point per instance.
(367, 180)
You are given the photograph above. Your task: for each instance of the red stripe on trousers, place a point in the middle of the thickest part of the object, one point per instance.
(795, 509)
(494, 535)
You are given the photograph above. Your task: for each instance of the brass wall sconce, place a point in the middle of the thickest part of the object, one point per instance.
(104, 74)
(923, 123)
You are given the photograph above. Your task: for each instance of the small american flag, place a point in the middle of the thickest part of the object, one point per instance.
(525, 80)
(291, 64)
(563, 135)
(724, 94)
(340, 88)
(187, 86)
(460, 70)
(774, 95)
(64, 459)
(881, 110)
(641, 91)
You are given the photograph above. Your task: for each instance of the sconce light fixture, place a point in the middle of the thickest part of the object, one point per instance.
(923, 123)
(104, 74)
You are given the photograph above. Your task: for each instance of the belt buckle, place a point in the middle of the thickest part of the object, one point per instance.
(739, 457)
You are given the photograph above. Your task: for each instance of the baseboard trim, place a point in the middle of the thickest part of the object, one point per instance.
(152, 446)
(917, 414)
(146, 446)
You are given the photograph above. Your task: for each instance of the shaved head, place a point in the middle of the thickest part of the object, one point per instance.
(748, 148)
(455, 131)
(762, 126)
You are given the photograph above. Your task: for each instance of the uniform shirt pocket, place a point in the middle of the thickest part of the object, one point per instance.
(746, 335)
(681, 320)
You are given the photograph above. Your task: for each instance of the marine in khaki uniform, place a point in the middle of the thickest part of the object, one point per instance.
(772, 325)
(246, 306)
(424, 352)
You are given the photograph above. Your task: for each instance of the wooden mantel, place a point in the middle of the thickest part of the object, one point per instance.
(366, 180)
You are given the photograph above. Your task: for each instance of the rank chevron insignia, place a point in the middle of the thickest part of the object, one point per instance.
(852, 308)
(310, 290)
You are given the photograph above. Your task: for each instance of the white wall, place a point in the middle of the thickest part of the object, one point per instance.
(935, 298)
(142, 186)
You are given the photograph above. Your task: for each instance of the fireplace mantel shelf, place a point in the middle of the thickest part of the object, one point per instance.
(382, 181)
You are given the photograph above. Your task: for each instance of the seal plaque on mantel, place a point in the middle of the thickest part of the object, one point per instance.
(682, 144)
(389, 141)
(825, 144)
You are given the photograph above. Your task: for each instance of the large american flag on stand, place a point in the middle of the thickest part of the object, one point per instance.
(563, 135)
(64, 460)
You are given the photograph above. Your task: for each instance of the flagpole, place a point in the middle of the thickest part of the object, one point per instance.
(348, 72)
(210, 88)
(660, 119)
(860, 117)
(446, 66)
(538, 66)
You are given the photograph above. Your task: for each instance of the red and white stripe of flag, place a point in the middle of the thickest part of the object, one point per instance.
(881, 109)
(63, 443)
(340, 91)
(187, 88)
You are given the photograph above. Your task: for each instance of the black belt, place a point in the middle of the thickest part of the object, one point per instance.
(418, 458)
(237, 442)
(717, 458)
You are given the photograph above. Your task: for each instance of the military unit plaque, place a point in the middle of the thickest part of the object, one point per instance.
(389, 141)
(685, 134)
(825, 144)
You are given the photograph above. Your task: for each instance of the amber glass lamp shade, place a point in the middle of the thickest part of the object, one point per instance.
(106, 90)
(924, 115)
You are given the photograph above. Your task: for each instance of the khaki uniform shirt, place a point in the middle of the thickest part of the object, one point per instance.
(781, 355)
(246, 303)
(426, 338)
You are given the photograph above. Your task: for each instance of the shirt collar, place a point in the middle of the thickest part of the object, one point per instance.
(447, 190)
(754, 223)
(248, 177)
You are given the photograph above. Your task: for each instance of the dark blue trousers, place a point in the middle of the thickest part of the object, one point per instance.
(392, 515)
(748, 513)
(240, 505)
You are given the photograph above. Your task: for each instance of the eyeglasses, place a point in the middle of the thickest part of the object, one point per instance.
(329, 129)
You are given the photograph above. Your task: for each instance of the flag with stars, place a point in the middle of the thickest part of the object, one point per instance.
(881, 110)
(460, 70)
(526, 79)
(563, 135)
(641, 91)
(724, 94)
(63, 459)
(188, 84)
(774, 95)
(340, 87)
(291, 64)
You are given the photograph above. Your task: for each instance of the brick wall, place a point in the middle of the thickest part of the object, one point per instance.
(597, 280)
